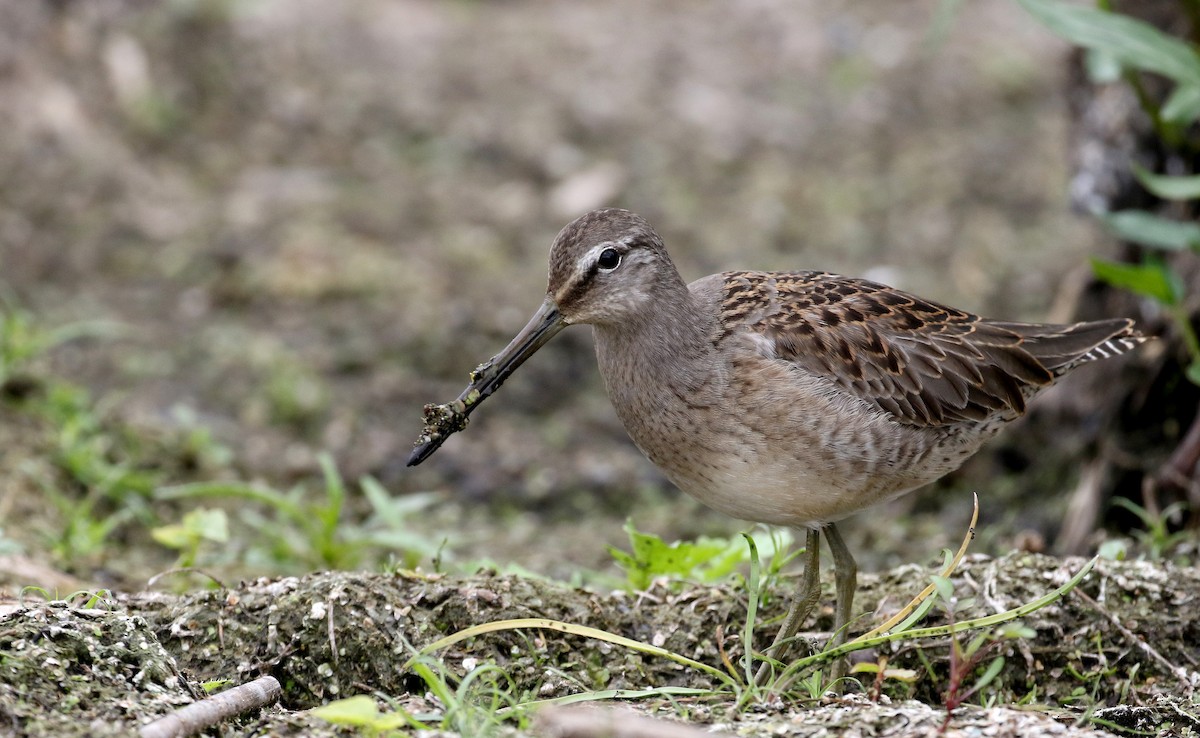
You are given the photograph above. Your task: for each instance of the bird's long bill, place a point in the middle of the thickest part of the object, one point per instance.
(443, 420)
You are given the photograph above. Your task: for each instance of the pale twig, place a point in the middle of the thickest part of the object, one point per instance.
(597, 722)
(198, 716)
(1134, 639)
(332, 638)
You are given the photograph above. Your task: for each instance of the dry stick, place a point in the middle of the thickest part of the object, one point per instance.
(1180, 469)
(332, 638)
(198, 716)
(600, 722)
(1083, 509)
(1176, 671)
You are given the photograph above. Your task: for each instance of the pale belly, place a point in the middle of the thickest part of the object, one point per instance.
(813, 487)
(802, 467)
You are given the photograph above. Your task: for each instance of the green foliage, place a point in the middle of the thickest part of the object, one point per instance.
(84, 598)
(1131, 42)
(103, 480)
(1152, 279)
(1152, 230)
(1182, 107)
(98, 481)
(295, 530)
(23, 340)
(703, 560)
(804, 676)
(361, 712)
(194, 443)
(1113, 549)
(197, 526)
(1172, 188)
(1157, 537)
(97, 476)
(213, 686)
(90, 454)
(91, 480)
(1135, 47)
(477, 705)
(85, 527)
(883, 674)
(966, 660)
(19, 342)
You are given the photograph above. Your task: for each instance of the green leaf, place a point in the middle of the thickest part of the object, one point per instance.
(1183, 106)
(1149, 229)
(1152, 279)
(199, 524)
(1132, 42)
(1193, 372)
(212, 525)
(1113, 550)
(1168, 187)
(1013, 631)
(704, 560)
(945, 588)
(359, 710)
(991, 673)
(866, 667)
(977, 643)
(1102, 67)
(174, 536)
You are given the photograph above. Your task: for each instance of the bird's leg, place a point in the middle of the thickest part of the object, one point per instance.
(806, 598)
(845, 576)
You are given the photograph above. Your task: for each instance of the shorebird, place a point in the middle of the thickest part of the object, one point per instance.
(787, 398)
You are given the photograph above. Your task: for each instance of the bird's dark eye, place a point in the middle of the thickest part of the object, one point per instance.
(609, 259)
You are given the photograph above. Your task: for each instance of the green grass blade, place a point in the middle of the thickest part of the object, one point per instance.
(752, 593)
(946, 630)
(1166, 186)
(1134, 43)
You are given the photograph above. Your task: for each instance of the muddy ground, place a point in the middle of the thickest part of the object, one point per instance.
(1117, 654)
(241, 240)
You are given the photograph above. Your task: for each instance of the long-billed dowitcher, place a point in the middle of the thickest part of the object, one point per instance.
(789, 398)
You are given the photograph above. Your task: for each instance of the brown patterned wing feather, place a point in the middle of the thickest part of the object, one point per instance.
(924, 363)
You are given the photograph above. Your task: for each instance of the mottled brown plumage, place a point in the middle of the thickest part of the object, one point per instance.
(924, 363)
(791, 398)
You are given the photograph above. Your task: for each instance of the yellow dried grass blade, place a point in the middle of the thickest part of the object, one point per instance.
(925, 593)
(571, 628)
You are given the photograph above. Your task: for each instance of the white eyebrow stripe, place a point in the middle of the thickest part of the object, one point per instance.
(591, 255)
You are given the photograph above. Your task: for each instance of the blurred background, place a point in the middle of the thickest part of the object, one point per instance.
(237, 235)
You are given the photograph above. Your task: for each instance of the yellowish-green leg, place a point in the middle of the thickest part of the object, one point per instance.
(845, 577)
(806, 599)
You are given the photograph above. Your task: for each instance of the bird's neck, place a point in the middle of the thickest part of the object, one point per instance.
(659, 355)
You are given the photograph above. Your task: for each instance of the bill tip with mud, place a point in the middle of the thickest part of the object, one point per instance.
(441, 421)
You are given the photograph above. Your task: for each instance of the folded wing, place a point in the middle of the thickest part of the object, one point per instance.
(926, 364)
